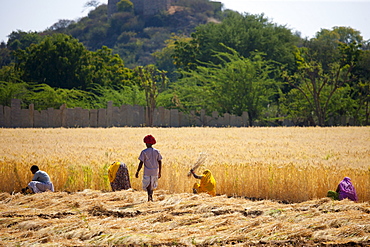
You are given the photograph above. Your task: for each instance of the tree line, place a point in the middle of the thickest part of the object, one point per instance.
(237, 62)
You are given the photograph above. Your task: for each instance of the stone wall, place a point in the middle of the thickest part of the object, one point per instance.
(125, 115)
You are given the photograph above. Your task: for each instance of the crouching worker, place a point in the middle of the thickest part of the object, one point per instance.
(344, 190)
(207, 183)
(119, 177)
(40, 181)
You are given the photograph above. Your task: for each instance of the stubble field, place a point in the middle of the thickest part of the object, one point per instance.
(271, 186)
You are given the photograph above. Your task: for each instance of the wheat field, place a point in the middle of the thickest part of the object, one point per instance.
(271, 186)
(289, 164)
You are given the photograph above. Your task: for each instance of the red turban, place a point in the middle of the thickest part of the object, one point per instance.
(150, 139)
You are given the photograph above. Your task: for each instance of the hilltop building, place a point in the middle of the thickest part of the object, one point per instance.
(142, 7)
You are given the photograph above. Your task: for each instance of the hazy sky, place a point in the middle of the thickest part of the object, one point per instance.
(306, 17)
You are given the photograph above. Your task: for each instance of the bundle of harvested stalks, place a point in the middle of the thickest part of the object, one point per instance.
(201, 159)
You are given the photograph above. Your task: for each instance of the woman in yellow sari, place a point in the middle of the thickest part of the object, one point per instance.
(207, 183)
(119, 177)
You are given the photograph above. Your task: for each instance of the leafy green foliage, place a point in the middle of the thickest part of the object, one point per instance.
(344, 35)
(21, 40)
(56, 61)
(324, 47)
(152, 81)
(63, 62)
(106, 69)
(234, 85)
(121, 95)
(43, 96)
(165, 57)
(4, 55)
(10, 74)
(360, 91)
(319, 86)
(243, 33)
(9, 91)
(125, 6)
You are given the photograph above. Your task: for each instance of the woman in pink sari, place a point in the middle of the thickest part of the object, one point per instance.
(347, 190)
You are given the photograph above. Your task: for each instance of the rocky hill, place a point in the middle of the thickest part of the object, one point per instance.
(135, 35)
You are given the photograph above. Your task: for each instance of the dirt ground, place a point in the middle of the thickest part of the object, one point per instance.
(125, 218)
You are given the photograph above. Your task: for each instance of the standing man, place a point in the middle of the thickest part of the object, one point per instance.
(152, 160)
(40, 181)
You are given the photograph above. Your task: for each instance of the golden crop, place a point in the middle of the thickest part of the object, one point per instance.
(293, 164)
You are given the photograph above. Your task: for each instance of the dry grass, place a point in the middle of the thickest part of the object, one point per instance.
(292, 164)
(296, 165)
(95, 218)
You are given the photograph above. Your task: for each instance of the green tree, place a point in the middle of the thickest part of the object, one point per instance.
(152, 81)
(10, 74)
(165, 57)
(326, 49)
(244, 33)
(319, 87)
(5, 58)
(21, 40)
(56, 61)
(324, 46)
(361, 90)
(234, 85)
(10, 90)
(125, 6)
(338, 34)
(104, 68)
(61, 61)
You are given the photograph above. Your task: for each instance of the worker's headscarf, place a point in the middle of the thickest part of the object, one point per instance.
(208, 183)
(112, 171)
(149, 139)
(347, 190)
